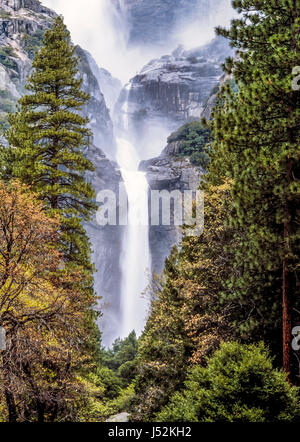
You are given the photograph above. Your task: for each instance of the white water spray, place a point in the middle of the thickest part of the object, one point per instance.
(135, 258)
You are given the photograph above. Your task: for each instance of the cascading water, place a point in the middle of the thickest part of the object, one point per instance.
(135, 259)
(123, 37)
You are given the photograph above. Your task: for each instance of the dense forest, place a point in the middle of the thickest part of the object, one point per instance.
(219, 343)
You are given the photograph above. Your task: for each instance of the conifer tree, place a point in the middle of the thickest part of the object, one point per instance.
(187, 320)
(257, 145)
(49, 136)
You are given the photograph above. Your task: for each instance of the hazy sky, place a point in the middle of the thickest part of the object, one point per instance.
(90, 24)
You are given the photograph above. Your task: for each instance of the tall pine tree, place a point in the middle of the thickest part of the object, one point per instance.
(48, 138)
(257, 145)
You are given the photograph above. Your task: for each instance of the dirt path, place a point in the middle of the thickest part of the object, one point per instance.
(121, 417)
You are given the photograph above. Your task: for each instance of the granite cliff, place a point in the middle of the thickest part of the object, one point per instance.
(168, 171)
(173, 89)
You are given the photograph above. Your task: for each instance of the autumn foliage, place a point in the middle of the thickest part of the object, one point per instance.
(40, 309)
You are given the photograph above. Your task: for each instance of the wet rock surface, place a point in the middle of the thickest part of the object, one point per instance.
(168, 172)
(106, 242)
(172, 90)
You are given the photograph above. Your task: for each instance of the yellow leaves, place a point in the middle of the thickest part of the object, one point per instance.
(41, 308)
(30, 266)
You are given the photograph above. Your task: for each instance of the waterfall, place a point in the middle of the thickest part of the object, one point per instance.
(135, 258)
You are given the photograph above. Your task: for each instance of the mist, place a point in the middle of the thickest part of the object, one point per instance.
(202, 29)
(94, 27)
(91, 24)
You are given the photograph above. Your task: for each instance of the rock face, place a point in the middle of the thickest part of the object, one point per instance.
(110, 86)
(106, 244)
(155, 22)
(173, 89)
(32, 5)
(96, 109)
(121, 417)
(22, 24)
(168, 172)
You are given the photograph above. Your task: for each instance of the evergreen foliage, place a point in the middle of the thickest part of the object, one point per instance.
(257, 146)
(32, 42)
(239, 384)
(121, 358)
(187, 320)
(49, 137)
(250, 254)
(7, 57)
(193, 138)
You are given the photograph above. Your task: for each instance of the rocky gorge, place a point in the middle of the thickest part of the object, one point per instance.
(168, 92)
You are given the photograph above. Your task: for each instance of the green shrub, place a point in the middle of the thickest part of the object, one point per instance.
(3, 123)
(124, 401)
(194, 139)
(109, 381)
(93, 404)
(239, 384)
(200, 159)
(7, 57)
(128, 371)
(33, 42)
(5, 15)
(121, 358)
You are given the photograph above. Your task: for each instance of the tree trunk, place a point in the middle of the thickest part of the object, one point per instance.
(9, 397)
(41, 412)
(40, 406)
(286, 320)
(11, 406)
(287, 283)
